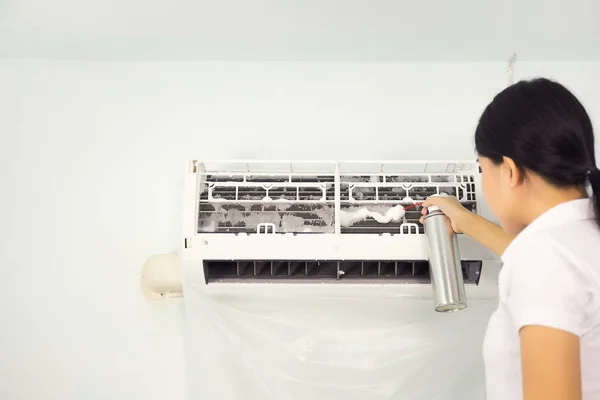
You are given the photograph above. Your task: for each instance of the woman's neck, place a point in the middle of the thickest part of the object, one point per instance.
(546, 197)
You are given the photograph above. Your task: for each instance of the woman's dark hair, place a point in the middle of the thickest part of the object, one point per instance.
(543, 128)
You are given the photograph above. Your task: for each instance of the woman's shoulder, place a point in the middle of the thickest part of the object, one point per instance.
(576, 242)
(551, 278)
(568, 254)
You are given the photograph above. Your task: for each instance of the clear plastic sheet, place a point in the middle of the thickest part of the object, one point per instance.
(318, 341)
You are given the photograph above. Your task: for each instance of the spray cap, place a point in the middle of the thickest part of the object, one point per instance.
(435, 208)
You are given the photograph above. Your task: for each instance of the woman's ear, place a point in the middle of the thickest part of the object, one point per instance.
(512, 172)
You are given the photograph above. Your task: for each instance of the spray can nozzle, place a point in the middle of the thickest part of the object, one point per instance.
(435, 208)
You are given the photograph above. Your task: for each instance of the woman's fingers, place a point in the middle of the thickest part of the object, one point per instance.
(432, 201)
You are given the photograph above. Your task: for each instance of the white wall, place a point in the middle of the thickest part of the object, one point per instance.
(91, 158)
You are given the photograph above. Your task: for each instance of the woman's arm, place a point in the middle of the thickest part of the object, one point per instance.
(485, 232)
(550, 362)
(475, 226)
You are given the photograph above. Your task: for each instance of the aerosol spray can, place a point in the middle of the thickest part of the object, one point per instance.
(444, 262)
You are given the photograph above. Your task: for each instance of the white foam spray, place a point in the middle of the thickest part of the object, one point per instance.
(349, 218)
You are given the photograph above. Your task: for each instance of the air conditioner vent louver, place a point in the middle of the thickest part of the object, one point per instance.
(329, 270)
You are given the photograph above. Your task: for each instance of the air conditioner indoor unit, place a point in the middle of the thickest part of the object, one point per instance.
(310, 280)
(325, 223)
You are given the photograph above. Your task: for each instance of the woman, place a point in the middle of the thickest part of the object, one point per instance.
(535, 144)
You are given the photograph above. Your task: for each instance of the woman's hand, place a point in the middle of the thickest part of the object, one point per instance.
(451, 207)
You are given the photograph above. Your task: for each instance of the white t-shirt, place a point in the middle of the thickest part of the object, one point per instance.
(550, 277)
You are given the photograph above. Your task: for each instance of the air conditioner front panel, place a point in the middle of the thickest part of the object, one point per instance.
(325, 247)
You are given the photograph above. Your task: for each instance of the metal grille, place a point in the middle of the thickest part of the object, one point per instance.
(245, 218)
(253, 188)
(293, 204)
(405, 188)
(290, 203)
(330, 270)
